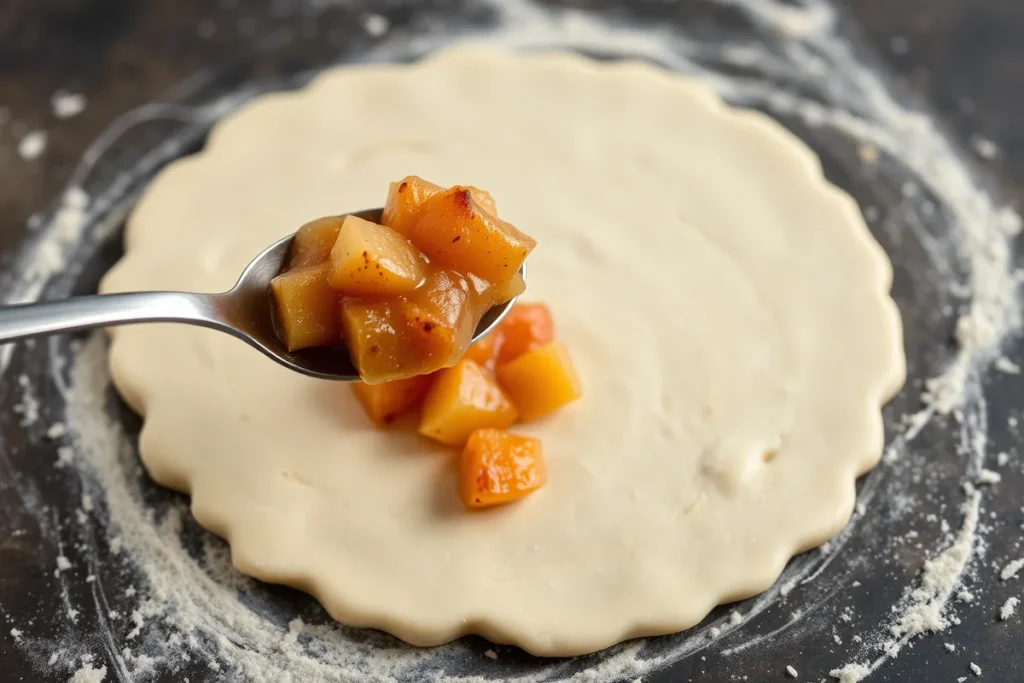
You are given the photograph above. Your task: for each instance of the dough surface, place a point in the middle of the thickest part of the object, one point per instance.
(727, 309)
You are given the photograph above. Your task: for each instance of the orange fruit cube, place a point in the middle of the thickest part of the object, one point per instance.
(497, 468)
(540, 381)
(463, 399)
(526, 327)
(386, 402)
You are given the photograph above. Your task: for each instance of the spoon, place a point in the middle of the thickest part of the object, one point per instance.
(245, 311)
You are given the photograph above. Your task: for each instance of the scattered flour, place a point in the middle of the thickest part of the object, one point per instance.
(32, 145)
(65, 104)
(1008, 608)
(924, 607)
(376, 25)
(984, 148)
(28, 407)
(87, 674)
(988, 477)
(1004, 364)
(1011, 569)
(851, 673)
(65, 456)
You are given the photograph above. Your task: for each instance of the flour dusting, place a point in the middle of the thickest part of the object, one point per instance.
(1008, 609)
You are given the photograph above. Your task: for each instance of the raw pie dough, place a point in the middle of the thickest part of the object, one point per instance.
(727, 308)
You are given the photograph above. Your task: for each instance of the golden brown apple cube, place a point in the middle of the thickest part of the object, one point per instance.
(540, 381)
(404, 201)
(306, 307)
(373, 260)
(313, 241)
(407, 196)
(454, 231)
(463, 399)
(386, 402)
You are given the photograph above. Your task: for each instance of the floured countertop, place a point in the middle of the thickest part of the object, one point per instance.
(105, 577)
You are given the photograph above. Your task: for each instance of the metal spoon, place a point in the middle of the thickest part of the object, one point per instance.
(245, 311)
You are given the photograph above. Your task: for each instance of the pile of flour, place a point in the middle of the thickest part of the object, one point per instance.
(189, 606)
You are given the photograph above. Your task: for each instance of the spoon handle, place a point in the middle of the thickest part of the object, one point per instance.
(107, 310)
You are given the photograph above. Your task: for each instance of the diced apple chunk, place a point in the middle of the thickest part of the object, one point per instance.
(485, 351)
(386, 402)
(482, 197)
(313, 241)
(306, 307)
(404, 201)
(526, 327)
(497, 468)
(463, 399)
(407, 196)
(370, 329)
(453, 230)
(373, 260)
(540, 381)
(409, 335)
(501, 293)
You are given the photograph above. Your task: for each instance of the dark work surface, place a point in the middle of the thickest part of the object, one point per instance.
(962, 59)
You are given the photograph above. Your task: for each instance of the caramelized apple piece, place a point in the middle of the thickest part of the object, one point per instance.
(510, 290)
(386, 402)
(484, 352)
(463, 399)
(370, 330)
(540, 381)
(313, 241)
(406, 197)
(523, 329)
(305, 307)
(526, 327)
(482, 197)
(409, 335)
(373, 260)
(497, 467)
(404, 201)
(441, 317)
(453, 230)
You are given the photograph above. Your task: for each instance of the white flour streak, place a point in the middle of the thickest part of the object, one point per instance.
(66, 104)
(797, 66)
(1010, 570)
(32, 145)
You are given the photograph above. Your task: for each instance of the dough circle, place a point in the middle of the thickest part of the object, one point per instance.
(727, 308)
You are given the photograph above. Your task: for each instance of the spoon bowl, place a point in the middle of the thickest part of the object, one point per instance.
(246, 312)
